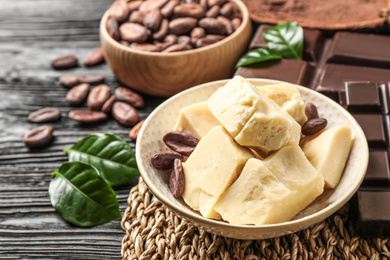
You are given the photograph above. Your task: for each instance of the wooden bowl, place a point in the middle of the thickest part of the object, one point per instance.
(162, 120)
(165, 74)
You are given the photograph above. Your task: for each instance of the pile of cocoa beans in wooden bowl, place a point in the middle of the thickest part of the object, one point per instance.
(162, 47)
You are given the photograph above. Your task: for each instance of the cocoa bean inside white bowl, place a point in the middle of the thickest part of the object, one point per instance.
(162, 120)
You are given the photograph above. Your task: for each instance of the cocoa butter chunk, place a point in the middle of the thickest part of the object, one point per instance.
(209, 171)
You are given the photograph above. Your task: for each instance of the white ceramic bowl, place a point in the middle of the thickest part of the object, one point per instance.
(162, 120)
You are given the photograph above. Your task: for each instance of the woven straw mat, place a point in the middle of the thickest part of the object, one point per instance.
(154, 232)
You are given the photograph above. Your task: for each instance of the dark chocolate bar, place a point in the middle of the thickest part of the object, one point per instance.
(363, 97)
(378, 171)
(375, 128)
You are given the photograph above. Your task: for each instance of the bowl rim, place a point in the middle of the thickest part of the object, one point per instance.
(304, 221)
(244, 23)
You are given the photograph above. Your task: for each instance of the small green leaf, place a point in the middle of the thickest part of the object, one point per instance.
(286, 39)
(81, 196)
(256, 56)
(110, 154)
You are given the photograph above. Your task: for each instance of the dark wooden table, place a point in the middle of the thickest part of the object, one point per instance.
(32, 33)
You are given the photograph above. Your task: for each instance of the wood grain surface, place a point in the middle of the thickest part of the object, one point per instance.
(32, 33)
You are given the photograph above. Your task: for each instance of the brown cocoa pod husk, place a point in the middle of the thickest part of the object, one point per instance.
(39, 136)
(94, 57)
(112, 27)
(107, 106)
(227, 10)
(133, 32)
(176, 179)
(180, 142)
(216, 2)
(228, 25)
(64, 62)
(236, 22)
(137, 17)
(311, 111)
(314, 125)
(133, 134)
(124, 113)
(69, 80)
(164, 161)
(213, 11)
(162, 31)
(167, 10)
(98, 96)
(149, 5)
(77, 94)
(209, 39)
(119, 11)
(181, 26)
(129, 96)
(134, 5)
(189, 10)
(152, 20)
(47, 114)
(92, 79)
(212, 26)
(87, 116)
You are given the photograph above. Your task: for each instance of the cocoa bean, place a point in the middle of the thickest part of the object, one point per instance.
(107, 106)
(164, 161)
(314, 125)
(69, 81)
(236, 22)
(137, 17)
(167, 10)
(92, 79)
(184, 39)
(152, 20)
(124, 113)
(178, 47)
(204, 4)
(209, 39)
(213, 11)
(133, 32)
(227, 10)
(94, 57)
(311, 111)
(44, 115)
(189, 10)
(212, 26)
(180, 142)
(119, 11)
(112, 28)
(38, 136)
(98, 96)
(64, 62)
(216, 2)
(129, 96)
(133, 134)
(77, 94)
(176, 179)
(228, 25)
(126, 43)
(145, 47)
(198, 32)
(149, 5)
(87, 116)
(181, 26)
(162, 31)
(134, 5)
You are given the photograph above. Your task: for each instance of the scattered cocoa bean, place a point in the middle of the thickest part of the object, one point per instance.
(164, 161)
(38, 136)
(92, 79)
(94, 57)
(119, 10)
(129, 96)
(98, 96)
(180, 142)
(189, 10)
(213, 11)
(314, 125)
(212, 25)
(124, 113)
(69, 81)
(112, 27)
(77, 94)
(44, 115)
(162, 31)
(311, 111)
(64, 62)
(176, 179)
(137, 17)
(133, 134)
(167, 10)
(107, 106)
(152, 20)
(133, 32)
(87, 116)
(181, 26)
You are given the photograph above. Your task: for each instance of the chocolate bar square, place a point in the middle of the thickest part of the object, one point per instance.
(375, 127)
(378, 172)
(363, 97)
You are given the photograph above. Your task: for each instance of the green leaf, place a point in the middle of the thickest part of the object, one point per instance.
(110, 154)
(81, 196)
(286, 39)
(256, 56)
